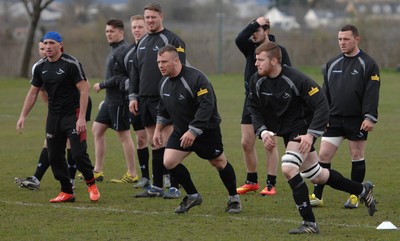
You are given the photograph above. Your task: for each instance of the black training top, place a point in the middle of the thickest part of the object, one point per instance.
(293, 98)
(189, 101)
(351, 85)
(59, 79)
(145, 76)
(114, 96)
(248, 47)
(123, 67)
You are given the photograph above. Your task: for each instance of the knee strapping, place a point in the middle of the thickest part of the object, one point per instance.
(312, 172)
(292, 158)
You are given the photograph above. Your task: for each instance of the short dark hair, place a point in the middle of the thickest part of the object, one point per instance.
(352, 28)
(273, 50)
(167, 48)
(154, 7)
(116, 23)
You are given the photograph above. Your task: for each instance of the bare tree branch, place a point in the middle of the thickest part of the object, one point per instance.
(34, 9)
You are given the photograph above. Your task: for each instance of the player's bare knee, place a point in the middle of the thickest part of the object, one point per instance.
(325, 157)
(219, 163)
(141, 143)
(247, 145)
(357, 155)
(169, 164)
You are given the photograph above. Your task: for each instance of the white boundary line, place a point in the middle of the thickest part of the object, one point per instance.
(116, 210)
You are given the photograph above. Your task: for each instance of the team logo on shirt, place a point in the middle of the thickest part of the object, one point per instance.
(180, 50)
(354, 72)
(202, 92)
(313, 91)
(156, 48)
(216, 152)
(286, 95)
(60, 71)
(375, 77)
(266, 93)
(181, 97)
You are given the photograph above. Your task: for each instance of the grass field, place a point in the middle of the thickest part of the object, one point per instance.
(28, 215)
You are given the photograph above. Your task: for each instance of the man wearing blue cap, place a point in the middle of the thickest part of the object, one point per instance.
(33, 182)
(62, 77)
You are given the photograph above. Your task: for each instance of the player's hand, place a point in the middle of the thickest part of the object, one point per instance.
(269, 139)
(367, 125)
(187, 139)
(80, 125)
(263, 21)
(305, 142)
(96, 87)
(134, 107)
(20, 124)
(157, 139)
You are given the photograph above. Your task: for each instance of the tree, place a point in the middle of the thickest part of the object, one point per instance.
(34, 9)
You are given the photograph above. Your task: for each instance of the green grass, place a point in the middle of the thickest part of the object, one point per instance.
(27, 215)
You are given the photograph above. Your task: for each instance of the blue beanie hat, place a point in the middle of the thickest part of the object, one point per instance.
(53, 35)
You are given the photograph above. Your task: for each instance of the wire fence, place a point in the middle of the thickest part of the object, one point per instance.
(200, 54)
(204, 52)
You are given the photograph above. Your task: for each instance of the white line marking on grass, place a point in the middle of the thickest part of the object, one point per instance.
(117, 210)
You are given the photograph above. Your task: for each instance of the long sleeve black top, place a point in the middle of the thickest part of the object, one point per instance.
(189, 101)
(295, 100)
(114, 95)
(145, 75)
(351, 85)
(248, 47)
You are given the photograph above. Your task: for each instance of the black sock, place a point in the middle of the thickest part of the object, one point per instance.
(43, 164)
(181, 175)
(71, 164)
(90, 182)
(271, 179)
(358, 170)
(228, 177)
(319, 188)
(174, 182)
(337, 181)
(300, 196)
(143, 156)
(252, 177)
(158, 167)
